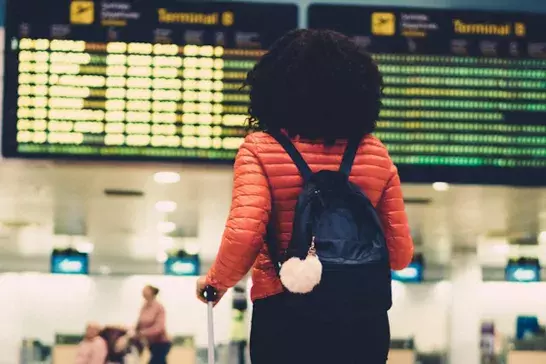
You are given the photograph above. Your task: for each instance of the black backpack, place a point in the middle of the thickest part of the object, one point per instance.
(348, 238)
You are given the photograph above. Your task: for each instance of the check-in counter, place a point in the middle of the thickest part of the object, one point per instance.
(182, 351)
(401, 356)
(402, 351)
(64, 354)
(526, 357)
(528, 351)
(65, 349)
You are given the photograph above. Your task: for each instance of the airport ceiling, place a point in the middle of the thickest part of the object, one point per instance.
(114, 207)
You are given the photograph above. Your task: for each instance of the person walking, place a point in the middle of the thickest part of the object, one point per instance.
(151, 326)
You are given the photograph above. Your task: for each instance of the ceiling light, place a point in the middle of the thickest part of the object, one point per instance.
(161, 257)
(440, 186)
(85, 247)
(166, 227)
(165, 206)
(104, 270)
(166, 177)
(503, 249)
(166, 242)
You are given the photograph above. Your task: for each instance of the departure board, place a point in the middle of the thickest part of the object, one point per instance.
(465, 91)
(132, 80)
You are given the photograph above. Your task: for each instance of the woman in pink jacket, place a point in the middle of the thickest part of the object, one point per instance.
(151, 326)
(93, 349)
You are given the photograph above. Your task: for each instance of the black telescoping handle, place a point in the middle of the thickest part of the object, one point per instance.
(210, 293)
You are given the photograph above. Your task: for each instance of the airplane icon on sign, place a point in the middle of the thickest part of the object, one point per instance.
(383, 24)
(82, 12)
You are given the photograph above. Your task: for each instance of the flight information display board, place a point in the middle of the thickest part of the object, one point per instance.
(465, 91)
(132, 80)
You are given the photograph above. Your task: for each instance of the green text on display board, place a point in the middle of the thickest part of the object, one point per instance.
(465, 95)
(465, 91)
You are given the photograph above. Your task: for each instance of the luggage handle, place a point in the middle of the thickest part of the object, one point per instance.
(210, 294)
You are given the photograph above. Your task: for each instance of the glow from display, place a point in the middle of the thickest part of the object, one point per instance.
(174, 101)
(134, 95)
(413, 273)
(522, 273)
(187, 266)
(69, 264)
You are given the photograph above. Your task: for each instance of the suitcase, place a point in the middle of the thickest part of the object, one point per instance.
(210, 296)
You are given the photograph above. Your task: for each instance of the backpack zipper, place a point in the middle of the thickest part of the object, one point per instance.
(312, 249)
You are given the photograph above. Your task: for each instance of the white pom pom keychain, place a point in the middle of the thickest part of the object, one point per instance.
(302, 276)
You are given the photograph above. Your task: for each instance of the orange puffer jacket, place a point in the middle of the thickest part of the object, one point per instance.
(262, 162)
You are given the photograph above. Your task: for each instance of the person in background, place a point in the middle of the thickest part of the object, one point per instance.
(118, 340)
(151, 326)
(319, 89)
(93, 349)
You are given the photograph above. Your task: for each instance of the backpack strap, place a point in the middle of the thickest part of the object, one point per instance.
(349, 156)
(271, 229)
(271, 240)
(298, 160)
(272, 243)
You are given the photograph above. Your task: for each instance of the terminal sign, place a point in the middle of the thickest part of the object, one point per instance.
(142, 80)
(465, 91)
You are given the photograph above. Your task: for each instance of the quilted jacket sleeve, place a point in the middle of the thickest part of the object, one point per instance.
(395, 223)
(247, 221)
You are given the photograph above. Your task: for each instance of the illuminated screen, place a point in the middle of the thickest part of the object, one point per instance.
(413, 273)
(187, 266)
(465, 91)
(139, 80)
(70, 263)
(522, 272)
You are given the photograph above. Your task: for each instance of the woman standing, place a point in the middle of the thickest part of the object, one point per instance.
(320, 93)
(151, 326)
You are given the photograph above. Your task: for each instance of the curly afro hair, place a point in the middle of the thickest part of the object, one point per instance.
(315, 84)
